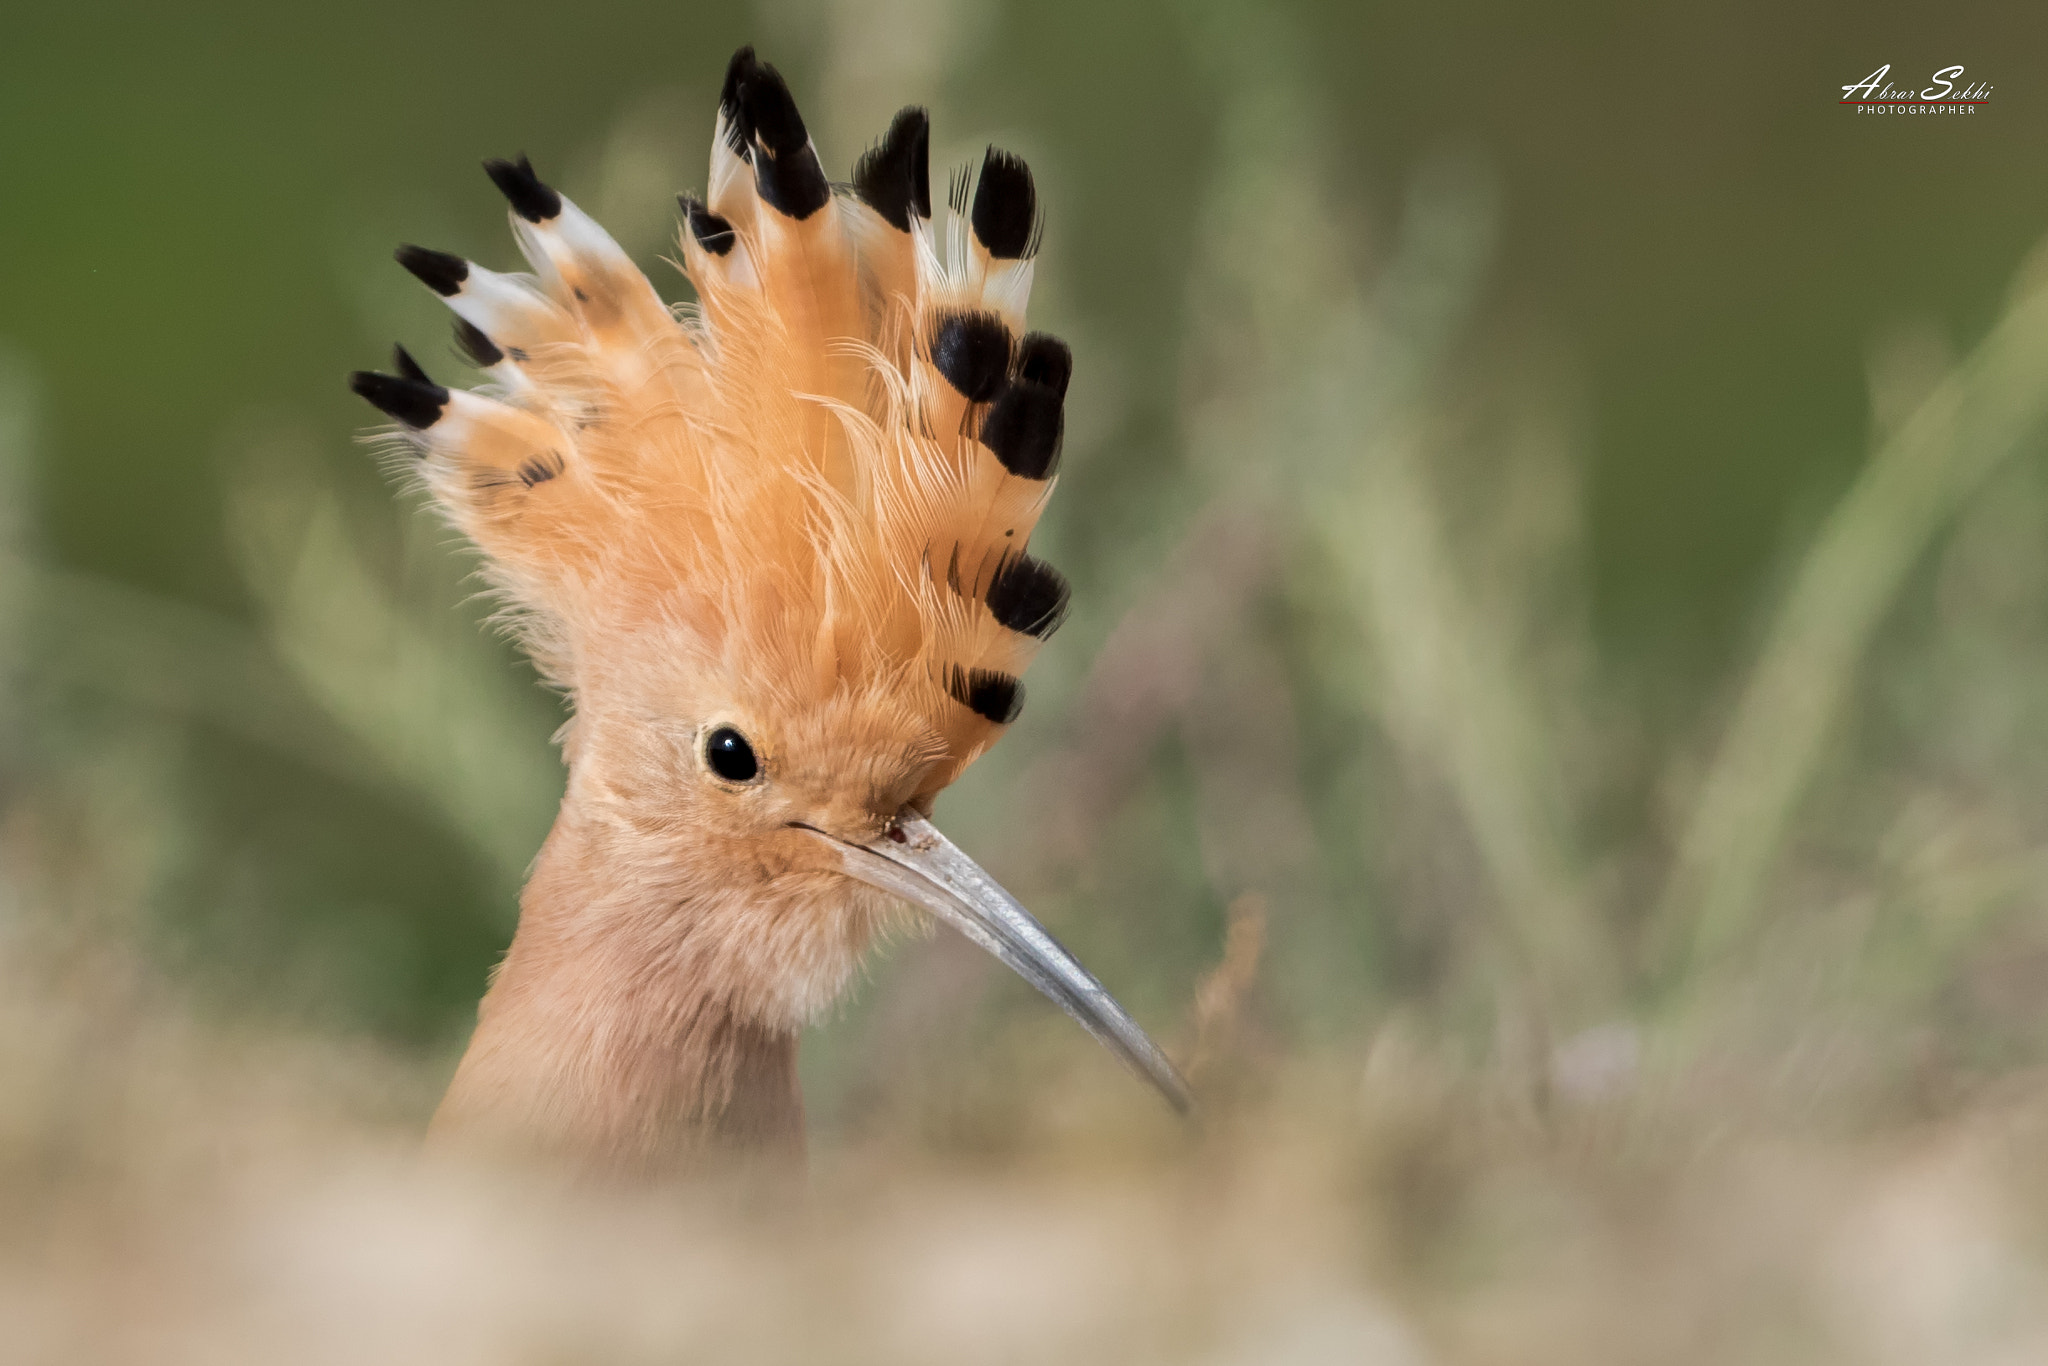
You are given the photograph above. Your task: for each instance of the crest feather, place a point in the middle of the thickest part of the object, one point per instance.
(826, 473)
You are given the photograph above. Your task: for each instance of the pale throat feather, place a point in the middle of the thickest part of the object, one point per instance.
(639, 1023)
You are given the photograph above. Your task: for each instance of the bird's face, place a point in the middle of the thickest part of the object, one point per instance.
(807, 814)
(731, 768)
(759, 776)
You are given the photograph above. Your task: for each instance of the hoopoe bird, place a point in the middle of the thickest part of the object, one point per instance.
(774, 549)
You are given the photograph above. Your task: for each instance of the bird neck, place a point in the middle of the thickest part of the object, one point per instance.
(611, 1035)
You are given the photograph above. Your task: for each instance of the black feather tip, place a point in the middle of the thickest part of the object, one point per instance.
(415, 402)
(1028, 595)
(770, 111)
(481, 350)
(1005, 215)
(995, 696)
(894, 177)
(739, 134)
(972, 350)
(407, 367)
(1044, 359)
(1024, 427)
(530, 199)
(439, 271)
(713, 233)
(786, 171)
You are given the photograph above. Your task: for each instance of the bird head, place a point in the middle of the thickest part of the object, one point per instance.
(773, 546)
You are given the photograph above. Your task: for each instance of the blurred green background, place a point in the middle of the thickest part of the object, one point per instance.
(1464, 393)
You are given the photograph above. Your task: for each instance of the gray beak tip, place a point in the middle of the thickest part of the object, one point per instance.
(922, 866)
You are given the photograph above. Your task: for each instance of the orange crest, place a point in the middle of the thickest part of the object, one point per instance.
(812, 490)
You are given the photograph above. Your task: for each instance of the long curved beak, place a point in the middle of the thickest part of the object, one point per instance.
(922, 866)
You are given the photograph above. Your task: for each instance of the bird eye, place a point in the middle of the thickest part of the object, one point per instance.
(730, 756)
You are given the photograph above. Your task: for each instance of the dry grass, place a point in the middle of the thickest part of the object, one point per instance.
(175, 1192)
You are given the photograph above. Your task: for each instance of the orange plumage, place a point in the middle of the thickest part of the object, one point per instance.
(796, 514)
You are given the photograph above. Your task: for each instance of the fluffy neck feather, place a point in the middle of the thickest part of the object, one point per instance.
(619, 1033)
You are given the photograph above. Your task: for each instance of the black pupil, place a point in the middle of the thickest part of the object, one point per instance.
(731, 757)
